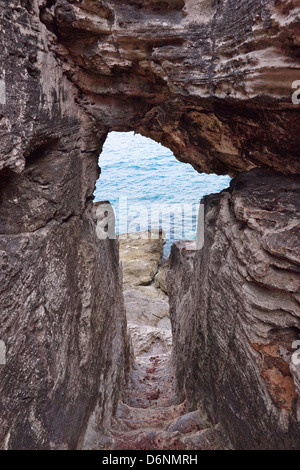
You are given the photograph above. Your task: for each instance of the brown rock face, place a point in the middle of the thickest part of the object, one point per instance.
(212, 81)
(235, 311)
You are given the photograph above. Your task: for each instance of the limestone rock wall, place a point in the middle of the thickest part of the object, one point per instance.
(235, 312)
(62, 312)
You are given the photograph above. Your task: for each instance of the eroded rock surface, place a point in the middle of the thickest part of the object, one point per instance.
(160, 278)
(141, 308)
(62, 312)
(212, 80)
(235, 311)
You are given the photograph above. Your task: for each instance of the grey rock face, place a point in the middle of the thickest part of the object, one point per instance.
(62, 315)
(190, 421)
(160, 278)
(61, 311)
(235, 313)
(144, 337)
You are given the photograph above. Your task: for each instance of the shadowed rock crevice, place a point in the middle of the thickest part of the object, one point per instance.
(151, 416)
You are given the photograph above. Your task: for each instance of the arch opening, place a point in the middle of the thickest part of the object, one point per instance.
(156, 201)
(150, 189)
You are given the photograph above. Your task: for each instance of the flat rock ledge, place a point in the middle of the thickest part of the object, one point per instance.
(141, 255)
(146, 302)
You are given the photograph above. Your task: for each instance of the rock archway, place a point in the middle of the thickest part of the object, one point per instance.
(212, 80)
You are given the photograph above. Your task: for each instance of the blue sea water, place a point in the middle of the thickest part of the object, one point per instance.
(149, 188)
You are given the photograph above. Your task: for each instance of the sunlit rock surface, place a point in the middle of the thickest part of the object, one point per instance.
(141, 256)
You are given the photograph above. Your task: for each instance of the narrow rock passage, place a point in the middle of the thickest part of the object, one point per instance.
(142, 423)
(152, 417)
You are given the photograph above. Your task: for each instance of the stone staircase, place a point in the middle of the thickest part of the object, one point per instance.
(152, 419)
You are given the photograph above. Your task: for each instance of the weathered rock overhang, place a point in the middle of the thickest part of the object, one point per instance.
(210, 80)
